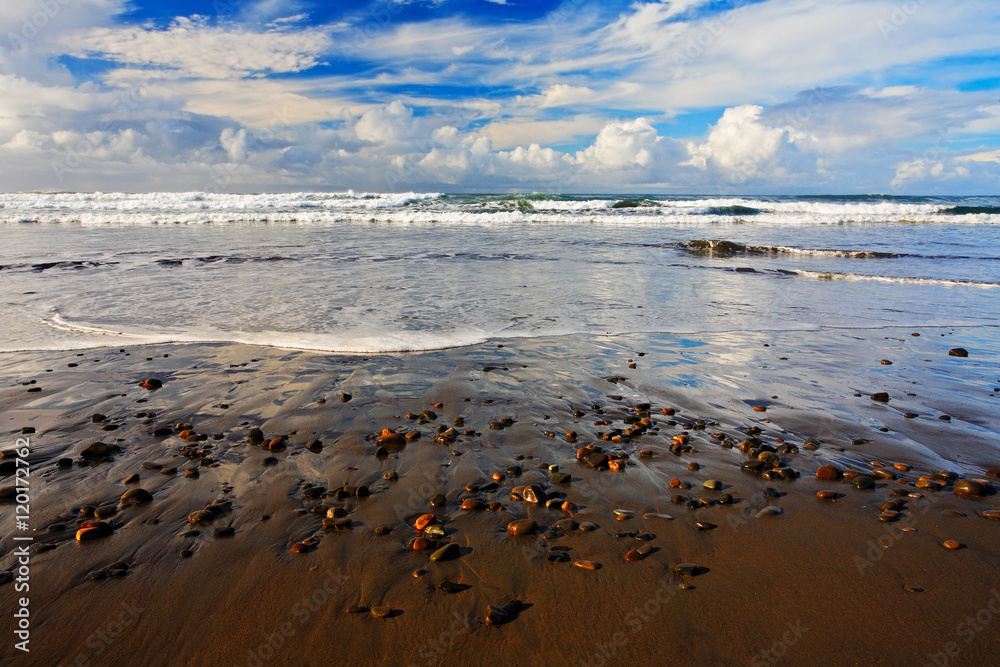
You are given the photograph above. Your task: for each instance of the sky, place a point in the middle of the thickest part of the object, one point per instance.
(688, 96)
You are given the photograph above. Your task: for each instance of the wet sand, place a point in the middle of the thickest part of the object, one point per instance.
(821, 581)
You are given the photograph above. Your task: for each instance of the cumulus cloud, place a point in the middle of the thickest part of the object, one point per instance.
(386, 125)
(738, 145)
(621, 145)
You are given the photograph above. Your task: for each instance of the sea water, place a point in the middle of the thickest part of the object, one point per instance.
(416, 271)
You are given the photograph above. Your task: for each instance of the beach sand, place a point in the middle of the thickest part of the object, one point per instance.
(823, 581)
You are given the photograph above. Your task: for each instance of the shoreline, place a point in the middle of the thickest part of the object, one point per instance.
(818, 578)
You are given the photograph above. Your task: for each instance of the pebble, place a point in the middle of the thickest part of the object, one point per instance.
(473, 505)
(420, 544)
(449, 551)
(770, 510)
(713, 485)
(958, 352)
(993, 515)
(686, 569)
(95, 450)
(524, 527)
(585, 564)
(587, 527)
(92, 530)
(303, 547)
(533, 493)
(201, 516)
(381, 611)
(423, 521)
(828, 472)
(451, 587)
(654, 515)
(438, 500)
(863, 483)
(952, 544)
(633, 555)
(135, 497)
(968, 488)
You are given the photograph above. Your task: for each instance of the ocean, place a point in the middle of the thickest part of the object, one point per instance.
(367, 273)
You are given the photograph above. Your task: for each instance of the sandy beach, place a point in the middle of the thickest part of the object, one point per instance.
(267, 547)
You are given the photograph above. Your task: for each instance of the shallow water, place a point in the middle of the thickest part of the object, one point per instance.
(314, 271)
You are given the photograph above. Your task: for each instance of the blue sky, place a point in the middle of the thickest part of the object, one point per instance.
(691, 96)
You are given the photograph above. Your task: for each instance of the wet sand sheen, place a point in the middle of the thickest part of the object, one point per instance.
(825, 578)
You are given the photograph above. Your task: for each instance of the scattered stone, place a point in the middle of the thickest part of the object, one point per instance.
(135, 496)
(863, 483)
(881, 397)
(95, 450)
(969, 488)
(828, 472)
(770, 510)
(523, 527)
(452, 587)
(449, 551)
(958, 352)
(586, 564)
(151, 384)
(952, 544)
(381, 612)
(473, 505)
(686, 569)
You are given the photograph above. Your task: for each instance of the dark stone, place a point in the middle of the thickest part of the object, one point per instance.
(449, 551)
(881, 397)
(958, 352)
(863, 483)
(135, 497)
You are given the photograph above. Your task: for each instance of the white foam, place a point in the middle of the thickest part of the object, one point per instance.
(431, 208)
(856, 277)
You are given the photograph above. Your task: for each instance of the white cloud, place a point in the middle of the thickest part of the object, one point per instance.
(738, 145)
(195, 49)
(621, 145)
(386, 125)
(234, 143)
(984, 156)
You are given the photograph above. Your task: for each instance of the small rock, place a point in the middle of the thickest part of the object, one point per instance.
(522, 527)
(958, 352)
(686, 569)
(135, 496)
(449, 551)
(969, 488)
(381, 612)
(828, 472)
(770, 510)
(863, 483)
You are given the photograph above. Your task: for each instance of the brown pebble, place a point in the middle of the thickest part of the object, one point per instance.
(952, 544)
(586, 564)
(828, 472)
(522, 527)
(826, 495)
(633, 555)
